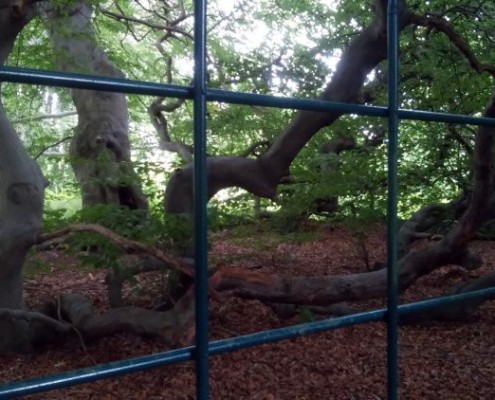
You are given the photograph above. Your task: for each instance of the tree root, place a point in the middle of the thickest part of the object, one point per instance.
(174, 327)
(22, 330)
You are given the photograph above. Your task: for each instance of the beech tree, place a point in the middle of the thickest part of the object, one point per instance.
(22, 184)
(102, 132)
(100, 150)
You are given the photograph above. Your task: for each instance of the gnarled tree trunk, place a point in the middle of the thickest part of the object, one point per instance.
(21, 181)
(21, 206)
(100, 150)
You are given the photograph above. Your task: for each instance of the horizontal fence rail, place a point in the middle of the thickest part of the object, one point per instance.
(200, 94)
(91, 82)
(104, 371)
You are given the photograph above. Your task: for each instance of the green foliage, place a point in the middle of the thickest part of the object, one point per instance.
(295, 54)
(54, 219)
(305, 314)
(34, 267)
(171, 233)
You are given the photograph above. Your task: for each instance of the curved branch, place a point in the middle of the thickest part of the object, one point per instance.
(362, 55)
(323, 290)
(222, 172)
(262, 176)
(173, 327)
(442, 25)
(160, 123)
(40, 153)
(171, 261)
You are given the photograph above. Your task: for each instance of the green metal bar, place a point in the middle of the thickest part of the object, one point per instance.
(143, 363)
(200, 201)
(393, 127)
(90, 82)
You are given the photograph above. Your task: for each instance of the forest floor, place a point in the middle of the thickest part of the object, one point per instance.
(437, 361)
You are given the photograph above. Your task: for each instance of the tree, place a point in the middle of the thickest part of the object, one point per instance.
(22, 184)
(21, 206)
(100, 150)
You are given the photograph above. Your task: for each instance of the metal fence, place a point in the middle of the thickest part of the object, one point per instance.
(201, 94)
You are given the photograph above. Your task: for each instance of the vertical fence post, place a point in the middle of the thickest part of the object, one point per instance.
(200, 200)
(393, 123)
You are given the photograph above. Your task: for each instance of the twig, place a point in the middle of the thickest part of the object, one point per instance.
(40, 153)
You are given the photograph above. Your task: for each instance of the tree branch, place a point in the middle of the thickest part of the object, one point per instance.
(456, 135)
(169, 27)
(261, 178)
(254, 147)
(160, 123)
(40, 153)
(171, 261)
(323, 291)
(442, 25)
(173, 327)
(45, 116)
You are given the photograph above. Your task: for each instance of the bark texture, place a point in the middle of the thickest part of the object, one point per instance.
(21, 181)
(174, 327)
(100, 150)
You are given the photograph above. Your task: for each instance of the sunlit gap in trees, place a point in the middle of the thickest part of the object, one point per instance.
(270, 36)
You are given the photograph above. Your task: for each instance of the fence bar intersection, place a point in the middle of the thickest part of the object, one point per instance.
(91, 82)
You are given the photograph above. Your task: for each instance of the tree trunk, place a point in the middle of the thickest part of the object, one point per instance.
(21, 181)
(100, 150)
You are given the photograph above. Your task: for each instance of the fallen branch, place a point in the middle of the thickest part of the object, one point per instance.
(457, 311)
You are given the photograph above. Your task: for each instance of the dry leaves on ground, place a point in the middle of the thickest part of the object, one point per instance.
(439, 361)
